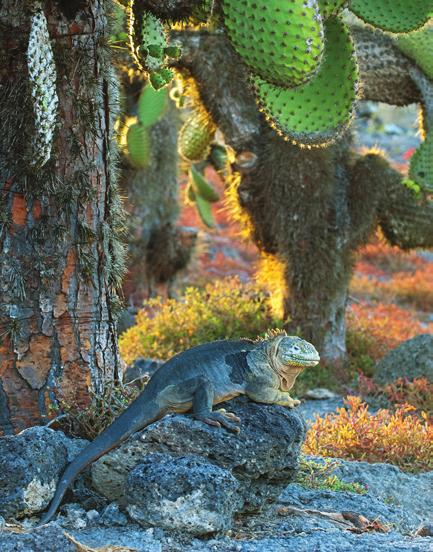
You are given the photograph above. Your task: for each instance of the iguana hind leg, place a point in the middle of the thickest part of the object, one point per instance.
(202, 403)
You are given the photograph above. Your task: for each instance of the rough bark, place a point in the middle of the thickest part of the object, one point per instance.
(312, 208)
(60, 259)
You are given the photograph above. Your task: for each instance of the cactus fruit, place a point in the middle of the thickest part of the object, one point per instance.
(151, 105)
(330, 7)
(395, 16)
(195, 136)
(281, 42)
(419, 46)
(138, 143)
(201, 186)
(204, 209)
(318, 111)
(42, 77)
(421, 165)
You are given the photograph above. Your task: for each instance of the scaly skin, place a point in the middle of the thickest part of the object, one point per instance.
(197, 379)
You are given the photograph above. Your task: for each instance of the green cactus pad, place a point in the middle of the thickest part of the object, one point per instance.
(190, 194)
(151, 105)
(281, 42)
(330, 7)
(153, 37)
(201, 186)
(195, 136)
(421, 165)
(204, 209)
(315, 113)
(419, 46)
(395, 16)
(138, 142)
(219, 157)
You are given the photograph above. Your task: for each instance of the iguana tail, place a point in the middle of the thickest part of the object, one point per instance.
(138, 415)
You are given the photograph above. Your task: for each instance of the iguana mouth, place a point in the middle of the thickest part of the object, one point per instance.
(300, 360)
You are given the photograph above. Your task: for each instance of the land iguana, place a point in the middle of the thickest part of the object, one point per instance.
(263, 370)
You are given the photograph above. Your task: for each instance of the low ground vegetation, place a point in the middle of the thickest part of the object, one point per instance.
(398, 437)
(391, 295)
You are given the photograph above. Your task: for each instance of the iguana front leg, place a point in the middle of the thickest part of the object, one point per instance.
(270, 395)
(202, 402)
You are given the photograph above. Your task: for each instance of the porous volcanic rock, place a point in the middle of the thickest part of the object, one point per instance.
(184, 493)
(263, 457)
(412, 359)
(49, 538)
(30, 466)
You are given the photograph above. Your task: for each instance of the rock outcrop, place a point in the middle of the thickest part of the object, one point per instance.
(182, 493)
(263, 457)
(412, 359)
(30, 466)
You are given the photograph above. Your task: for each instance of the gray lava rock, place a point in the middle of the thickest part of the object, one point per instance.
(318, 541)
(74, 516)
(410, 492)
(49, 538)
(30, 466)
(112, 516)
(132, 537)
(263, 457)
(412, 359)
(320, 394)
(185, 493)
(337, 501)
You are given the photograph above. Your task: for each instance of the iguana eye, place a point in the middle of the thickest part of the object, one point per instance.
(296, 349)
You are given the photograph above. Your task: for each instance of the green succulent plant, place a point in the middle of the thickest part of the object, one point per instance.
(138, 143)
(418, 45)
(281, 44)
(201, 186)
(319, 110)
(330, 7)
(421, 165)
(151, 105)
(305, 78)
(148, 43)
(395, 16)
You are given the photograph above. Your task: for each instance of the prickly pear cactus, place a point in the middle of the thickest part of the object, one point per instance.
(330, 7)
(149, 45)
(195, 136)
(280, 42)
(138, 143)
(421, 165)
(42, 77)
(395, 16)
(318, 111)
(419, 46)
(151, 105)
(201, 186)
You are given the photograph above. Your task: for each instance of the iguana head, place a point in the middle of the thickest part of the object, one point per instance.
(291, 350)
(289, 355)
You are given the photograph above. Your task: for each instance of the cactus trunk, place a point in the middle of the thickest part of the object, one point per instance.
(60, 258)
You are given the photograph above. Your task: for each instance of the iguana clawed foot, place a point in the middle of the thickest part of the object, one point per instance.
(220, 418)
(294, 403)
